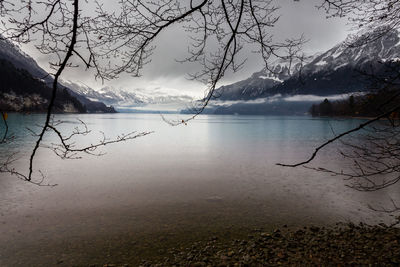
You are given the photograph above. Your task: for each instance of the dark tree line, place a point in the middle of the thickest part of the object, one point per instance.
(367, 105)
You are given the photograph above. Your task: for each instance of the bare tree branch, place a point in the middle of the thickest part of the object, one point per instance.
(122, 41)
(5, 123)
(67, 148)
(374, 153)
(361, 126)
(55, 84)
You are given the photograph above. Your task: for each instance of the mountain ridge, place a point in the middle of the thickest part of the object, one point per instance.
(21, 92)
(338, 70)
(22, 62)
(121, 98)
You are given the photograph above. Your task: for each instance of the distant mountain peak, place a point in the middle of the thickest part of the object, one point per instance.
(276, 73)
(357, 53)
(335, 71)
(366, 35)
(122, 98)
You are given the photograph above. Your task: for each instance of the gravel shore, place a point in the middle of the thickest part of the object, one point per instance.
(342, 245)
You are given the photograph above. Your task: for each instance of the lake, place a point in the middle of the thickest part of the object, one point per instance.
(215, 176)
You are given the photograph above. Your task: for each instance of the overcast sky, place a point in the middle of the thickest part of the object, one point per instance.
(164, 74)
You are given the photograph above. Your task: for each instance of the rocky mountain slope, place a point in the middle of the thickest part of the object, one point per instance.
(255, 86)
(15, 63)
(21, 92)
(339, 70)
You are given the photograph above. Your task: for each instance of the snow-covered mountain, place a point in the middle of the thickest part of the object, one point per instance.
(342, 69)
(121, 98)
(93, 100)
(384, 49)
(277, 72)
(21, 92)
(107, 95)
(22, 65)
(336, 71)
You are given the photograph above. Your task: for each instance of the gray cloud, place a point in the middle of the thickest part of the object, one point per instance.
(165, 73)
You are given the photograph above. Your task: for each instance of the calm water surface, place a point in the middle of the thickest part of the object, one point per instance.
(214, 175)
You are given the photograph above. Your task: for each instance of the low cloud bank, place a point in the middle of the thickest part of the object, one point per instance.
(280, 98)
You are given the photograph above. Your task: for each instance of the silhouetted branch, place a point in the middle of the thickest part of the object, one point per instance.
(374, 153)
(361, 126)
(5, 167)
(5, 123)
(55, 82)
(60, 30)
(227, 25)
(67, 148)
(375, 17)
(393, 209)
(122, 41)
